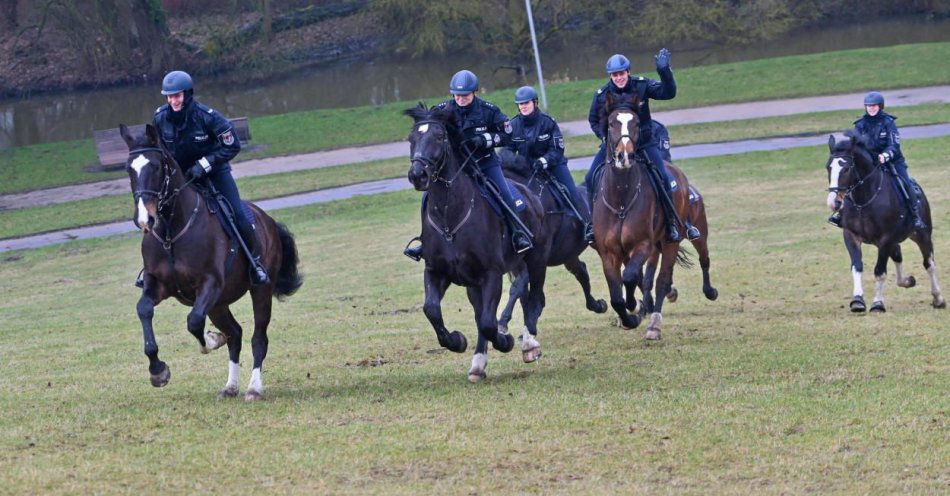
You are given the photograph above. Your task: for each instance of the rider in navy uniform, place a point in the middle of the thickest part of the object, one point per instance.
(203, 143)
(885, 141)
(536, 136)
(618, 67)
(662, 138)
(481, 124)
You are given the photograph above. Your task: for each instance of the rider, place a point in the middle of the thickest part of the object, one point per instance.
(536, 136)
(662, 137)
(885, 140)
(618, 67)
(481, 124)
(203, 142)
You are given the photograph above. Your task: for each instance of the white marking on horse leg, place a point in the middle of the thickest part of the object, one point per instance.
(879, 288)
(214, 339)
(138, 164)
(934, 287)
(234, 376)
(899, 270)
(653, 330)
(256, 383)
(142, 214)
(479, 363)
(858, 289)
(530, 347)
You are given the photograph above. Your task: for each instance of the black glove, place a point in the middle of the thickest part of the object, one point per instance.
(486, 140)
(195, 172)
(540, 164)
(662, 59)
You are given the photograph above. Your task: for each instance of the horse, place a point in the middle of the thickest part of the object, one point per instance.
(872, 212)
(628, 220)
(189, 256)
(567, 233)
(696, 215)
(465, 243)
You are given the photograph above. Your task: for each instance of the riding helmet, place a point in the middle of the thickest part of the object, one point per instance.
(525, 94)
(176, 82)
(874, 98)
(617, 63)
(463, 83)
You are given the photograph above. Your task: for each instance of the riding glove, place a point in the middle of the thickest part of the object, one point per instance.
(540, 164)
(663, 59)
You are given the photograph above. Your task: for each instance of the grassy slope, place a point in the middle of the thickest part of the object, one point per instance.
(774, 388)
(107, 209)
(802, 75)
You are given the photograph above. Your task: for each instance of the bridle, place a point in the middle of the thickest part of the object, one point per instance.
(166, 197)
(610, 157)
(428, 164)
(849, 191)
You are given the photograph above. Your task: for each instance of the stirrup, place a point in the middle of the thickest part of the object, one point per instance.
(140, 279)
(692, 232)
(414, 252)
(524, 246)
(258, 274)
(589, 233)
(835, 219)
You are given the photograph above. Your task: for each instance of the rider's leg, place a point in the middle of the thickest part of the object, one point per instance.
(589, 177)
(652, 153)
(415, 252)
(912, 200)
(563, 176)
(491, 167)
(225, 185)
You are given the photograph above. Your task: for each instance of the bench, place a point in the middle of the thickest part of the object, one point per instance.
(113, 151)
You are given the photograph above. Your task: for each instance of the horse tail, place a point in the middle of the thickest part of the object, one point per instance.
(289, 279)
(682, 258)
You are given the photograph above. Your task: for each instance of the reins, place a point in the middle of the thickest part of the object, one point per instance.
(849, 191)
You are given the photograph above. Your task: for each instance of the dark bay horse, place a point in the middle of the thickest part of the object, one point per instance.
(628, 220)
(465, 243)
(189, 256)
(873, 212)
(565, 229)
(696, 215)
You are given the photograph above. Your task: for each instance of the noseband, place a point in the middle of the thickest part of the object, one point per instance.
(849, 191)
(428, 164)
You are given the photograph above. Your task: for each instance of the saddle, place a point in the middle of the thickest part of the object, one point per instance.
(640, 161)
(520, 204)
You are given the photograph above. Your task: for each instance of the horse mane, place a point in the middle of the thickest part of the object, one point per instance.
(437, 113)
(856, 141)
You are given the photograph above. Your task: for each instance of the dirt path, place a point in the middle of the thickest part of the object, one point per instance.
(716, 113)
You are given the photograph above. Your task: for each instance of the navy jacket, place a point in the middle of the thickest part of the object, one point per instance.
(203, 133)
(882, 134)
(536, 136)
(476, 118)
(664, 89)
(662, 138)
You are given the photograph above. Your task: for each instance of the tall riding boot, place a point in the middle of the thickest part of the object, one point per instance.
(520, 239)
(256, 269)
(835, 218)
(669, 211)
(415, 252)
(914, 207)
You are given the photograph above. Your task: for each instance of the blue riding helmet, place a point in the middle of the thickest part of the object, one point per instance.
(617, 63)
(463, 83)
(525, 94)
(874, 98)
(176, 82)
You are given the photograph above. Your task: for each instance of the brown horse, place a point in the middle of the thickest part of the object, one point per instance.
(628, 219)
(189, 256)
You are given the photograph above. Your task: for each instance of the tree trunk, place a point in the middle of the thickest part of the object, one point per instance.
(267, 24)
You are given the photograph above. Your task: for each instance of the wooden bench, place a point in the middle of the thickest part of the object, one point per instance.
(113, 151)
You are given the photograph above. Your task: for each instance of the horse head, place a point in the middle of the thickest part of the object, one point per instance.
(430, 145)
(623, 129)
(150, 168)
(848, 160)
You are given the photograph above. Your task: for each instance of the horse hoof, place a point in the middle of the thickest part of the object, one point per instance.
(457, 342)
(673, 295)
(632, 322)
(939, 303)
(857, 305)
(213, 341)
(652, 335)
(476, 376)
(531, 355)
(504, 342)
(161, 379)
(600, 306)
(711, 294)
(228, 392)
(878, 306)
(908, 282)
(253, 395)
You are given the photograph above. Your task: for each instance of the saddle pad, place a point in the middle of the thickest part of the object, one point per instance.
(515, 193)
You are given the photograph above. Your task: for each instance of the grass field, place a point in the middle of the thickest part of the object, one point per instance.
(773, 389)
(23, 222)
(912, 65)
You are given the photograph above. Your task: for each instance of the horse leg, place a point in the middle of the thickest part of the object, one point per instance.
(484, 300)
(904, 282)
(516, 292)
(702, 248)
(152, 294)
(611, 264)
(533, 305)
(207, 297)
(262, 297)
(857, 267)
(880, 277)
(663, 284)
(223, 319)
(435, 287)
(577, 267)
(633, 274)
(925, 243)
(646, 284)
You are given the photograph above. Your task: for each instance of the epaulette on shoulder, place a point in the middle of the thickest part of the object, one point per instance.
(204, 108)
(488, 104)
(159, 109)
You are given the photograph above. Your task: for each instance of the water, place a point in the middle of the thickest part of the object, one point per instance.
(75, 115)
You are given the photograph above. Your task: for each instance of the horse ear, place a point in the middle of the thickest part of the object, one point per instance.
(831, 142)
(152, 134)
(124, 132)
(636, 101)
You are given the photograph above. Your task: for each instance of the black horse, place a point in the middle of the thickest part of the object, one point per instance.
(564, 227)
(873, 212)
(466, 243)
(189, 256)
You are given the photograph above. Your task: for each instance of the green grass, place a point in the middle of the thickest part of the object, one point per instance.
(299, 132)
(773, 389)
(23, 222)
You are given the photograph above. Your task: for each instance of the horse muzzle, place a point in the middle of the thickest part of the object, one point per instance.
(419, 176)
